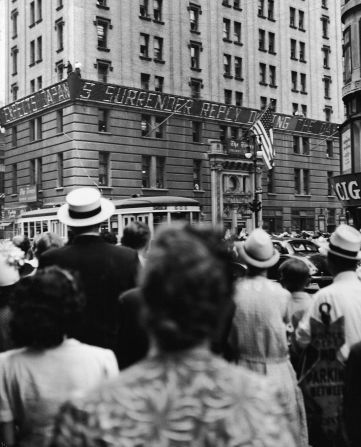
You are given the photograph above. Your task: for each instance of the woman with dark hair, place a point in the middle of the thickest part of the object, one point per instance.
(49, 368)
(181, 394)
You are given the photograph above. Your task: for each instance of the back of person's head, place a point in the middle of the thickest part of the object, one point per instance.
(136, 235)
(187, 286)
(45, 242)
(337, 264)
(23, 242)
(295, 274)
(109, 236)
(46, 307)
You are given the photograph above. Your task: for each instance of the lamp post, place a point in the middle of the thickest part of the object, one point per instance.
(252, 154)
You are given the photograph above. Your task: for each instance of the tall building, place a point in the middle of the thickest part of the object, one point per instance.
(227, 60)
(348, 184)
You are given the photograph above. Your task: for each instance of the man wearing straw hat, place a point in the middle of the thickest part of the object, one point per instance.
(105, 270)
(344, 294)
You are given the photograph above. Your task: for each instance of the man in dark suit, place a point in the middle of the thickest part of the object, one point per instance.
(105, 270)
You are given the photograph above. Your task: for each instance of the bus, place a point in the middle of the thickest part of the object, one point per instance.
(152, 211)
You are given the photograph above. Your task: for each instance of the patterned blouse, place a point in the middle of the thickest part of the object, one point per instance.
(179, 400)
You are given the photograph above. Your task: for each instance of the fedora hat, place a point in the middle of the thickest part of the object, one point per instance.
(85, 207)
(257, 250)
(345, 242)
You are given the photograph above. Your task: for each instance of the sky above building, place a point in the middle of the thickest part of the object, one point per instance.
(2, 53)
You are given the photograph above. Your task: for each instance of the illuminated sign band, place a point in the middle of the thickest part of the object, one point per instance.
(148, 101)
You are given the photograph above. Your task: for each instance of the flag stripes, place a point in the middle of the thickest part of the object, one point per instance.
(262, 129)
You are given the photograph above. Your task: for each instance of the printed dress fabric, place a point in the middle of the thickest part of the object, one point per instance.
(180, 400)
(259, 342)
(34, 384)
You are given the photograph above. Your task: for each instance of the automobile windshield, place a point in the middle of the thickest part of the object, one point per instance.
(304, 247)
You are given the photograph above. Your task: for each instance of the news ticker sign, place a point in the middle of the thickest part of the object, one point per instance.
(76, 88)
(348, 189)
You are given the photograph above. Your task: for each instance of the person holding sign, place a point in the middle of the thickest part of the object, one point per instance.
(344, 294)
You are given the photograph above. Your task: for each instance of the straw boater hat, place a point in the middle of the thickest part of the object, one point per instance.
(345, 242)
(11, 259)
(258, 250)
(85, 207)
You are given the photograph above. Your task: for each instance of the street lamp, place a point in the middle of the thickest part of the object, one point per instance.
(253, 154)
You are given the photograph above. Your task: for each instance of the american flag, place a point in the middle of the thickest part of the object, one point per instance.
(263, 129)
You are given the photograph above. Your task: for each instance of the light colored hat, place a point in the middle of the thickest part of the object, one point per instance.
(85, 207)
(11, 259)
(258, 250)
(345, 242)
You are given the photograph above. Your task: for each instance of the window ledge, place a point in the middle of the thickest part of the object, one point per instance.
(14, 74)
(15, 36)
(32, 25)
(196, 69)
(147, 18)
(293, 26)
(236, 42)
(303, 92)
(327, 97)
(32, 64)
(159, 61)
(39, 60)
(271, 19)
(272, 52)
(105, 187)
(227, 76)
(227, 5)
(14, 194)
(199, 191)
(303, 195)
(59, 50)
(331, 197)
(155, 189)
(106, 8)
(106, 50)
(303, 61)
(59, 8)
(145, 58)
(271, 194)
(263, 83)
(59, 188)
(237, 8)
(239, 78)
(262, 49)
(294, 58)
(194, 31)
(102, 132)
(39, 21)
(302, 29)
(261, 16)
(159, 22)
(273, 85)
(326, 67)
(294, 90)
(225, 39)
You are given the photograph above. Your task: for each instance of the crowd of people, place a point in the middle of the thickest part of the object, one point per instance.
(127, 344)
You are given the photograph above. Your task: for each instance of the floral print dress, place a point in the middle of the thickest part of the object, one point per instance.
(188, 399)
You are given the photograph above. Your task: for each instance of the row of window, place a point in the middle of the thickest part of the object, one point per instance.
(145, 8)
(153, 172)
(36, 128)
(237, 31)
(144, 52)
(301, 183)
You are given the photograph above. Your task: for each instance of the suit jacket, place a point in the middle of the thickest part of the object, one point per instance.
(352, 396)
(105, 271)
(133, 340)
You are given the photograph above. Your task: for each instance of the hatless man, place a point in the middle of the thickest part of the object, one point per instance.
(105, 270)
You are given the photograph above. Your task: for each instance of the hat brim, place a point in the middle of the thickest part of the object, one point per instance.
(107, 210)
(325, 249)
(255, 262)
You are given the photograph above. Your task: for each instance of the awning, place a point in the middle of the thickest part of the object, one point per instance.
(5, 224)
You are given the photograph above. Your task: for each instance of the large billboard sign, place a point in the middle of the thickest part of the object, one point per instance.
(346, 152)
(149, 101)
(348, 189)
